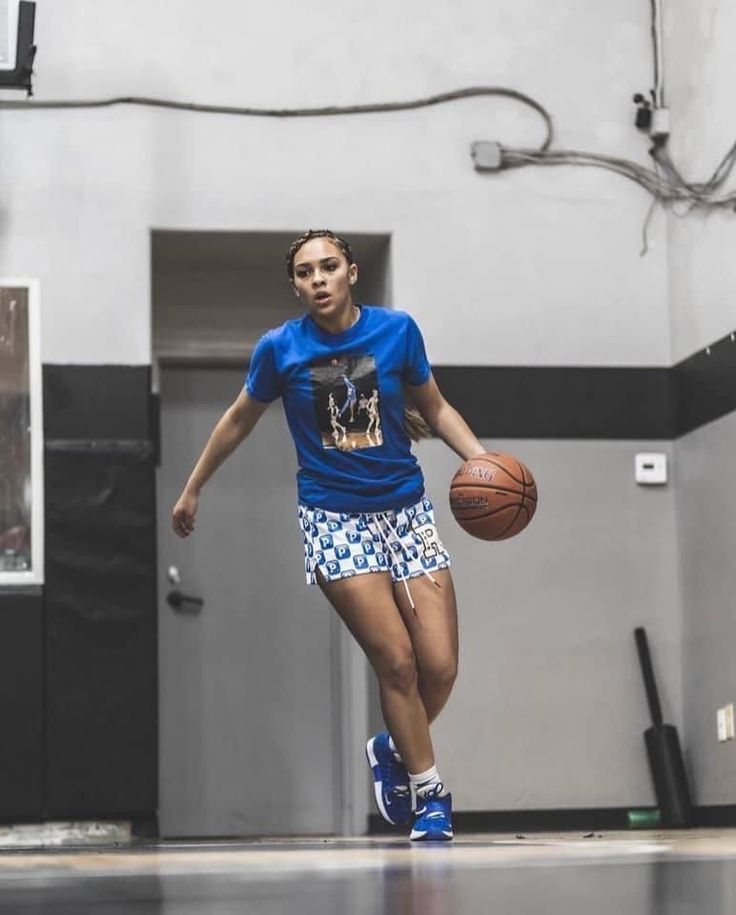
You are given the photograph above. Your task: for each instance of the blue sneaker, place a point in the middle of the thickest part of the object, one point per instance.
(390, 780)
(433, 818)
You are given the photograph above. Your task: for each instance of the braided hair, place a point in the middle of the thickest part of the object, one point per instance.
(340, 243)
(414, 422)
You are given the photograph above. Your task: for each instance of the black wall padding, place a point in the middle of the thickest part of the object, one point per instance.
(568, 402)
(108, 402)
(705, 385)
(562, 403)
(101, 631)
(21, 704)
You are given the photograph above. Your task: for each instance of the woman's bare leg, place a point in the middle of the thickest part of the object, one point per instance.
(433, 633)
(367, 606)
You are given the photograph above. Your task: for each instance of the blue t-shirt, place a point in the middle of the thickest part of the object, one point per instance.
(344, 401)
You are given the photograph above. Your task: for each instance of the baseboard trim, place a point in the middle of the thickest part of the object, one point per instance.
(720, 815)
(573, 820)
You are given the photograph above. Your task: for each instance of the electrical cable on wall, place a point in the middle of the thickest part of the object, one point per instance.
(665, 183)
(328, 111)
(668, 187)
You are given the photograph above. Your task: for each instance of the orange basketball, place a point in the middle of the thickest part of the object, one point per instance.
(493, 496)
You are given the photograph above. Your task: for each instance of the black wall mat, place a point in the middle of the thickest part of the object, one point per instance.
(21, 704)
(101, 722)
(97, 402)
(101, 642)
(705, 385)
(78, 658)
(561, 403)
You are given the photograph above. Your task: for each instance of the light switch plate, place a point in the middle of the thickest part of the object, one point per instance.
(650, 469)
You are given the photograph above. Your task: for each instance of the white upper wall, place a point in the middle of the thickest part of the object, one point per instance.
(701, 85)
(535, 266)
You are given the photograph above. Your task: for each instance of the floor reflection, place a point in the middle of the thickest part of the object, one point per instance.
(372, 879)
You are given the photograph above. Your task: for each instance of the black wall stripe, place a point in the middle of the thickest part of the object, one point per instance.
(595, 403)
(115, 402)
(561, 403)
(705, 385)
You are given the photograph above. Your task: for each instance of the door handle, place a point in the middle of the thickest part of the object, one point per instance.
(184, 603)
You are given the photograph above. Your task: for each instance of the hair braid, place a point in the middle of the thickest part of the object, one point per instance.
(416, 426)
(343, 245)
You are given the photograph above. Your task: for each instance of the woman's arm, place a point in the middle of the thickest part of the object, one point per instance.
(445, 420)
(233, 427)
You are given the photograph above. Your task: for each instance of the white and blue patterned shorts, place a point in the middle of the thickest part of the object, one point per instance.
(342, 544)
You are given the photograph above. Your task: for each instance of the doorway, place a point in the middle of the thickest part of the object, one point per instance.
(263, 696)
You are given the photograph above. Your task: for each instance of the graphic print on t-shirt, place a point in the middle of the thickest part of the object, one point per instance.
(346, 400)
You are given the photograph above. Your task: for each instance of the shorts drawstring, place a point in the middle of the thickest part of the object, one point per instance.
(382, 516)
(310, 562)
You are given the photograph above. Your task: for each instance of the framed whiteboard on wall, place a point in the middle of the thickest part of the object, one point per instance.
(8, 33)
(21, 434)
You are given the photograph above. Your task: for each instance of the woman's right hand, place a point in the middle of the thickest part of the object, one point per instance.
(182, 516)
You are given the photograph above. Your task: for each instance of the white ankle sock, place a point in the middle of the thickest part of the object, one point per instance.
(424, 782)
(392, 747)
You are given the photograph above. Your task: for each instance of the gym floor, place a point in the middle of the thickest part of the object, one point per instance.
(641, 873)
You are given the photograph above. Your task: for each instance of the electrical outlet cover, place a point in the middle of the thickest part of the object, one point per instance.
(728, 712)
(721, 724)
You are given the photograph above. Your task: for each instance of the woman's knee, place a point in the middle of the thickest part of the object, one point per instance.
(439, 675)
(396, 669)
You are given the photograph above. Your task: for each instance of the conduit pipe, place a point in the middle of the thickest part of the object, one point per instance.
(658, 40)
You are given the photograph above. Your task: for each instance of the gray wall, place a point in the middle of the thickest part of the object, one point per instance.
(549, 709)
(542, 265)
(706, 521)
(701, 86)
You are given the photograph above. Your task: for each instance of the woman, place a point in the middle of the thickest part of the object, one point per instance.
(367, 526)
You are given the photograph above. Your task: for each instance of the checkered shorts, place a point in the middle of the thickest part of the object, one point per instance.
(342, 544)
